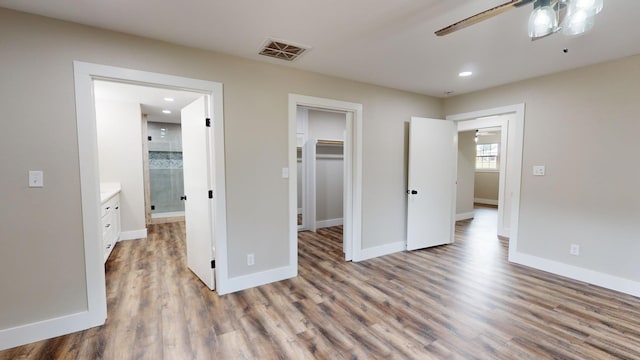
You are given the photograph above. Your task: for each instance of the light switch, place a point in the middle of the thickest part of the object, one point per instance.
(285, 173)
(538, 170)
(36, 178)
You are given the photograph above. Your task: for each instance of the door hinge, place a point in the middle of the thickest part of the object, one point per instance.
(149, 138)
(213, 264)
(207, 122)
(210, 194)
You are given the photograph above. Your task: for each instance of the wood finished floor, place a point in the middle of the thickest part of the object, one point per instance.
(461, 301)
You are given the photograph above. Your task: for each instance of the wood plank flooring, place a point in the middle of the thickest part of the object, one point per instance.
(461, 301)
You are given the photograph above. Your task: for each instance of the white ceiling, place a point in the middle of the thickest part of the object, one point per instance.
(151, 99)
(389, 43)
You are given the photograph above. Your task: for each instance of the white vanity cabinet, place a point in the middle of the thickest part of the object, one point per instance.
(110, 210)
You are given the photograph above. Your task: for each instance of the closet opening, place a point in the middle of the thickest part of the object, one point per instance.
(325, 181)
(321, 169)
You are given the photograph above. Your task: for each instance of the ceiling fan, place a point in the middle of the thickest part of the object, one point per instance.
(573, 17)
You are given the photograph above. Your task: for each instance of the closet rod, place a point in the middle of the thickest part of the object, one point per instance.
(330, 142)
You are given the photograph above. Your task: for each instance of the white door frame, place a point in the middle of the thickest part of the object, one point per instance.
(84, 74)
(353, 152)
(510, 180)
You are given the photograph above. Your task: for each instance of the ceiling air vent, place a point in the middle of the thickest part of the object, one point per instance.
(281, 50)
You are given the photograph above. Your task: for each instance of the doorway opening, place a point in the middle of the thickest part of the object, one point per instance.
(426, 185)
(305, 144)
(510, 122)
(481, 167)
(137, 154)
(84, 76)
(320, 156)
(320, 169)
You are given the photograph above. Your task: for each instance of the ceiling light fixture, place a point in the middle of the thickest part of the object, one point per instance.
(573, 17)
(169, 99)
(166, 111)
(543, 20)
(465, 73)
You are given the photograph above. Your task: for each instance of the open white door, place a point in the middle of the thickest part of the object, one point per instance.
(198, 207)
(433, 154)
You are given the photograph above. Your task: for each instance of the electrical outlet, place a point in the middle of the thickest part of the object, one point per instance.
(574, 249)
(250, 259)
(538, 170)
(36, 178)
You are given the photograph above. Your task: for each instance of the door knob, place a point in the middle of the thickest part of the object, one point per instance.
(184, 197)
(412, 192)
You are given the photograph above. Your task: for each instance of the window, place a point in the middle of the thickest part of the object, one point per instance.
(487, 157)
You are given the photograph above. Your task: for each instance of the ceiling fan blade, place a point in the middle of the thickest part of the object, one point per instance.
(487, 14)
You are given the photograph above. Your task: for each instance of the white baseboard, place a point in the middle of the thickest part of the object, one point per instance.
(381, 250)
(464, 216)
(299, 211)
(133, 235)
(486, 201)
(577, 273)
(328, 223)
(46, 329)
(252, 280)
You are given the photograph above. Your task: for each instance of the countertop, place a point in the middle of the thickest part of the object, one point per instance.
(109, 190)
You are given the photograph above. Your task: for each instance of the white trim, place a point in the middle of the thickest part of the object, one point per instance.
(328, 223)
(133, 234)
(168, 214)
(486, 201)
(513, 135)
(381, 250)
(299, 211)
(243, 282)
(465, 216)
(577, 273)
(353, 154)
(28, 333)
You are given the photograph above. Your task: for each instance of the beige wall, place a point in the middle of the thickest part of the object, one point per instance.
(42, 228)
(486, 184)
(583, 126)
(466, 171)
(119, 128)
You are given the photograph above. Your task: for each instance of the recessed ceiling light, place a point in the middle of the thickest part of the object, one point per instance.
(169, 99)
(465, 74)
(166, 111)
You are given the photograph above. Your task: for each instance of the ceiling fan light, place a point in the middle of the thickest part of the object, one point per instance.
(590, 6)
(542, 21)
(577, 22)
